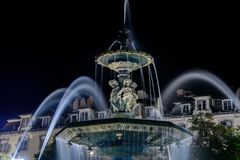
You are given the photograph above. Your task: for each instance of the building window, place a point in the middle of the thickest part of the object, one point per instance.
(84, 116)
(4, 146)
(24, 122)
(186, 109)
(201, 105)
(227, 123)
(73, 118)
(101, 115)
(204, 105)
(23, 146)
(227, 104)
(45, 122)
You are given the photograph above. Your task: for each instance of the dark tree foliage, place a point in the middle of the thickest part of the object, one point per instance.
(49, 152)
(212, 141)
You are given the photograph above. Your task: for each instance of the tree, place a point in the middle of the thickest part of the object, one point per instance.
(49, 152)
(213, 141)
(4, 156)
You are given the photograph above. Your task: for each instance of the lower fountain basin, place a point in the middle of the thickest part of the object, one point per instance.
(123, 138)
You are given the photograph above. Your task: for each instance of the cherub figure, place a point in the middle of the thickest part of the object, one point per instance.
(114, 99)
(128, 95)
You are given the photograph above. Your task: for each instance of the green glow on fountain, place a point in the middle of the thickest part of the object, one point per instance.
(123, 138)
(122, 135)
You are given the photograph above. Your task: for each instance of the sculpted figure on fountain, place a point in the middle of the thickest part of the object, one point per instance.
(123, 99)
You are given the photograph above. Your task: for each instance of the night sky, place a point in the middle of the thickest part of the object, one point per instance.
(47, 46)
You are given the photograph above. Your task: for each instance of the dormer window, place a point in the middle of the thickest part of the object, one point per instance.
(45, 121)
(25, 119)
(73, 118)
(25, 122)
(186, 108)
(204, 105)
(201, 104)
(227, 104)
(83, 116)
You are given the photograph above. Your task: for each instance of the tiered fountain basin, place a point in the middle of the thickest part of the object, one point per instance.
(123, 138)
(124, 60)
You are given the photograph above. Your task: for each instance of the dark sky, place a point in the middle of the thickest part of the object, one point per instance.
(46, 46)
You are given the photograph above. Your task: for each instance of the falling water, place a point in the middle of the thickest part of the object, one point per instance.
(101, 77)
(169, 153)
(152, 84)
(199, 75)
(142, 80)
(67, 151)
(53, 99)
(79, 152)
(96, 70)
(181, 150)
(155, 114)
(126, 4)
(133, 45)
(81, 85)
(160, 105)
(62, 149)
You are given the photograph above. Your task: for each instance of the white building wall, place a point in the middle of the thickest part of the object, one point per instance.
(33, 145)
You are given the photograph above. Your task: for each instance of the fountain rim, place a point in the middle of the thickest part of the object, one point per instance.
(147, 56)
(126, 121)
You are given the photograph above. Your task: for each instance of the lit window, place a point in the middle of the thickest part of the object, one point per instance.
(4, 146)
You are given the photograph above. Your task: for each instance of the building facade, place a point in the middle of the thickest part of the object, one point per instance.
(223, 111)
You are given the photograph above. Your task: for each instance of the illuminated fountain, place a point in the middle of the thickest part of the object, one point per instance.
(122, 135)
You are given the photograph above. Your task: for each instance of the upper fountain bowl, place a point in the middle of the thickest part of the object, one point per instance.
(124, 60)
